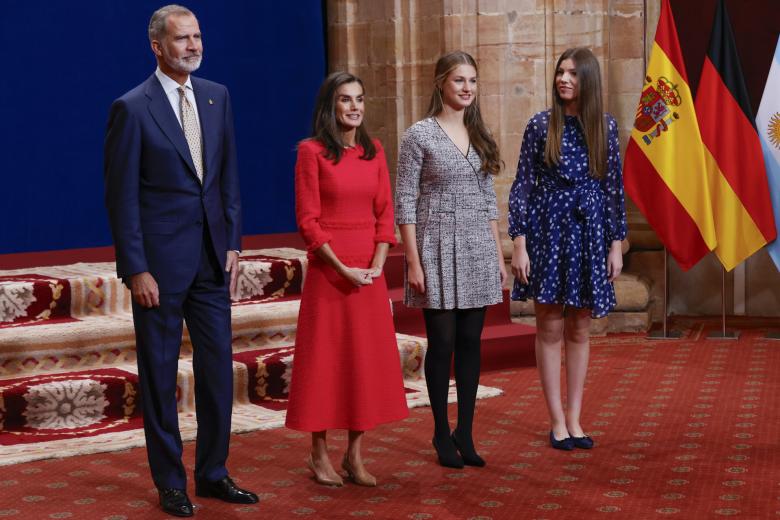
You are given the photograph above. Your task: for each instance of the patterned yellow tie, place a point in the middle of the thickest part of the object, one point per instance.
(191, 132)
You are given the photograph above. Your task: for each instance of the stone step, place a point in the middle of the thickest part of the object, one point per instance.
(616, 322)
(102, 341)
(59, 409)
(260, 376)
(63, 293)
(504, 343)
(632, 313)
(78, 316)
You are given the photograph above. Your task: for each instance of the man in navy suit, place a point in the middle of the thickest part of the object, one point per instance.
(173, 201)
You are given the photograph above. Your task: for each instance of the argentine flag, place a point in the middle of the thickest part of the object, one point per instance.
(768, 123)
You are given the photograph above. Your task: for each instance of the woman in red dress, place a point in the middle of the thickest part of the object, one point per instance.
(347, 371)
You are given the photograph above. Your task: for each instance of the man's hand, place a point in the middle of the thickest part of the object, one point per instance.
(231, 266)
(144, 289)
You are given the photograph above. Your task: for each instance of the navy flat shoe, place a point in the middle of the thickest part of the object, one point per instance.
(566, 444)
(584, 443)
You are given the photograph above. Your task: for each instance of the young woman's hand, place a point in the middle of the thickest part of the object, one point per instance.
(614, 260)
(521, 264)
(502, 270)
(416, 277)
(358, 277)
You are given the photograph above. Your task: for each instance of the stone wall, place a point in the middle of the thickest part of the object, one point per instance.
(393, 46)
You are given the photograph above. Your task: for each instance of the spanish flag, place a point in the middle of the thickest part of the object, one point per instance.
(664, 171)
(742, 210)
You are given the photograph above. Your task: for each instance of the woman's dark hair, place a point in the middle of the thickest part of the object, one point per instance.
(591, 116)
(326, 129)
(480, 137)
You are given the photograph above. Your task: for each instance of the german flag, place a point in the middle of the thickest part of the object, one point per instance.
(664, 171)
(742, 209)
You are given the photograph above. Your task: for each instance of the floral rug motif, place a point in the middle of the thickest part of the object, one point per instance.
(67, 406)
(64, 415)
(33, 298)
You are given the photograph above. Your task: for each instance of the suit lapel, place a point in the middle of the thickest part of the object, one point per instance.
(209, 125)
(161, 111)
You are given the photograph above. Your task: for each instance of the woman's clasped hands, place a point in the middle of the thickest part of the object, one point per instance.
(359, 277)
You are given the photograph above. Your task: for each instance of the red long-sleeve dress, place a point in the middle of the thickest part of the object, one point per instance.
(346, 370)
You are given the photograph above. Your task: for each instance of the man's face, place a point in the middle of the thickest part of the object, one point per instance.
(181, 48)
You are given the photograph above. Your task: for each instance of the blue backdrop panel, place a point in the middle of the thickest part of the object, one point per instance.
(65, 62)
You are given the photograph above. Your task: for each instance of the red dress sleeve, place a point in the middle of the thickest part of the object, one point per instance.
(383, 202)
(307, 197)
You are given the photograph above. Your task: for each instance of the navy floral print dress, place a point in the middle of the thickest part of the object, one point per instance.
(568, 217)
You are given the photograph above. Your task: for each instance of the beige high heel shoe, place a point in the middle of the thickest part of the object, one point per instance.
(319, 479)
(365, 479)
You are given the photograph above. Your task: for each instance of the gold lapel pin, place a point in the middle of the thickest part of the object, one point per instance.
(211, 101)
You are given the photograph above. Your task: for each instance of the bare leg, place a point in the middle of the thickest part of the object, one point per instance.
(320, 461)
(353, 461)
(549, 336)
(353, 450)
(576, 336)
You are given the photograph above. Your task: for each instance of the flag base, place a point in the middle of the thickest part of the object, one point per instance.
(723, 334)
(657, 332)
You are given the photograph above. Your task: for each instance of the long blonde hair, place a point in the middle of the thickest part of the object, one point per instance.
(480, 137)
(591, 116)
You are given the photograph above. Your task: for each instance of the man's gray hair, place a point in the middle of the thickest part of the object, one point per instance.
(160, 17)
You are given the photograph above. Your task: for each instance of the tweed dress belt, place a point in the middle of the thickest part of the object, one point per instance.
(447, 202)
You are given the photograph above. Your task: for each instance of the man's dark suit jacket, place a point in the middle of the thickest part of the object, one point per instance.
(157, 206)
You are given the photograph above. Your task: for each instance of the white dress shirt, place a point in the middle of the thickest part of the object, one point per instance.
(171, 89)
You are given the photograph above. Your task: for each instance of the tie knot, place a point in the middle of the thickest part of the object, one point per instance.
(182, 91)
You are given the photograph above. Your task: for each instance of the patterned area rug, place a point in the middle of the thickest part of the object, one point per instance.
(68, 379)
(45, 295)
(685, 429)
(75, 413)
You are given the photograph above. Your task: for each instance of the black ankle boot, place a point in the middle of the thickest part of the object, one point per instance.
(447, 453)
(467, 451)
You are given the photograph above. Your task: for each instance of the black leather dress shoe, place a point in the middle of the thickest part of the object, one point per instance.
(175, 502)
(226, 490)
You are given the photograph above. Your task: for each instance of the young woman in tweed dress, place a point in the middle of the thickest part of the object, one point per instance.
(446, 210)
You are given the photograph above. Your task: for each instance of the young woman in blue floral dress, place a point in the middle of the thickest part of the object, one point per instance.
(567, 220)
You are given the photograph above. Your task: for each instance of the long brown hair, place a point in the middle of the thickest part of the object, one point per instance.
(479, 136)
(325, 128)
(591, 112)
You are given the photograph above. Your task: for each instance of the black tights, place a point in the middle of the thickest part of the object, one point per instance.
(458, 331)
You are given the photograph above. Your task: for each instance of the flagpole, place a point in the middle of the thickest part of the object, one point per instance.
(664, 332)
(723, 333)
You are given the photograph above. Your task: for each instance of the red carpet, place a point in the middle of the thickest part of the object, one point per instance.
(684, 429)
